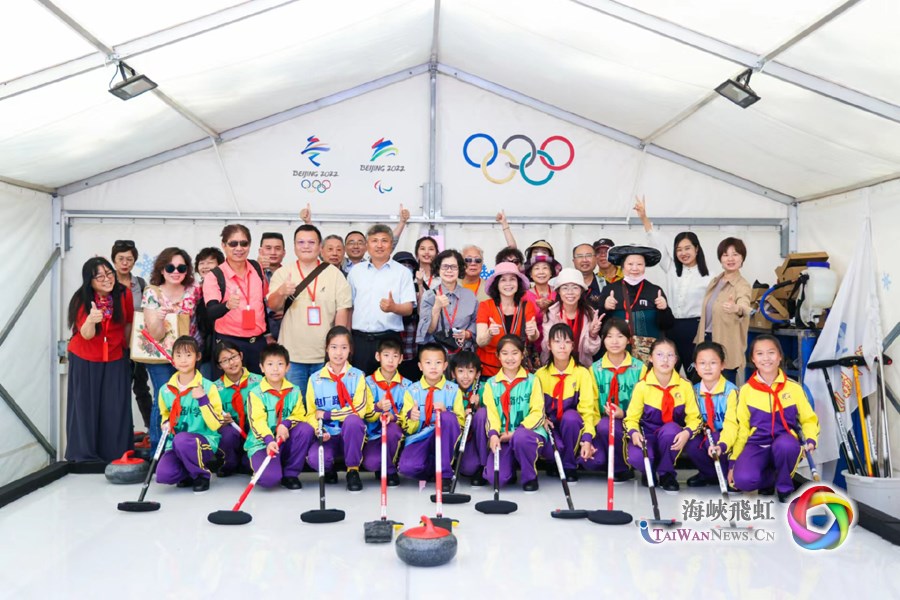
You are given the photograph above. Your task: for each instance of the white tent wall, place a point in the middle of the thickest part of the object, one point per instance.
(27, 355)
(834, 224)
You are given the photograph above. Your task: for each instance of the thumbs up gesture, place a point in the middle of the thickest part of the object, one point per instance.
(611, 302)
(96, 315)
(306, 214)
(404, 214)
(531, 329)
(729, 305)
(290, 286)
(388, 304)
(234, 301)
(493, 328)
(660, 301)
(441, 301)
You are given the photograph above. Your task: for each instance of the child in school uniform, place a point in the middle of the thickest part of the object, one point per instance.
(662, 410)
(717, 399)
(771, 409)
(337, 394)
(515, 405)
(277, 412)
(465, 369)
(190, 410)
(233, 386)
(426, 401)
(387, 388)
(566, 385)
(615, 376)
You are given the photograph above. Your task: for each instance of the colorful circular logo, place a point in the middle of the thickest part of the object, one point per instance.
(841, 511)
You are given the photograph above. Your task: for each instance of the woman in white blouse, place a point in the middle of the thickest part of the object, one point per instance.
(686, 281)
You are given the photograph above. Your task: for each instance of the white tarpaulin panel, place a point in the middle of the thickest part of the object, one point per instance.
(792, 140)
(599, 182)
(275, 170)
(25, 355)
(579, 60)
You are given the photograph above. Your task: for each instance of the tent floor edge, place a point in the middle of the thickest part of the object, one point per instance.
(22, 487)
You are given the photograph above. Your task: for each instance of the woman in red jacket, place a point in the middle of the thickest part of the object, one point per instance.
(98, 412)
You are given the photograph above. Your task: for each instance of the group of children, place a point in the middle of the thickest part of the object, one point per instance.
(759, 430)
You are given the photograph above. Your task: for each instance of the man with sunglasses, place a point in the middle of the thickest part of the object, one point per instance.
(473, 257)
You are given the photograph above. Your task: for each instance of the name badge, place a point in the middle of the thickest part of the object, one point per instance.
(248, 318)
(313, 315)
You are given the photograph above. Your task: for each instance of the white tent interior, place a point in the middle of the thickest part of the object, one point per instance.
(243, 86)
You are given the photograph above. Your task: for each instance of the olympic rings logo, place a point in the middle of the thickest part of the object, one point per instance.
(519, 165)
(314, 185)
(838, 505)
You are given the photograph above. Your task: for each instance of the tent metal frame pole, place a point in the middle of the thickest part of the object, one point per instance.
(4, 334)
(716, 47)
(73, 215)
(27, 185)
(241, 130)
(616, 135)
(793, 228)
(56, 231)
(431, 208)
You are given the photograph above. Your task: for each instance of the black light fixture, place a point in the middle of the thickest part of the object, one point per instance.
(132, 84)
(738, 90)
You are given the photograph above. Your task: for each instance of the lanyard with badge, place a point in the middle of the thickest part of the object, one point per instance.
(313, 312)
(248, 317)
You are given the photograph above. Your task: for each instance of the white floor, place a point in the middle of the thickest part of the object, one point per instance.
(68, 541)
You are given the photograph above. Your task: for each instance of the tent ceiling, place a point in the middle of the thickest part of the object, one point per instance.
(634, 65)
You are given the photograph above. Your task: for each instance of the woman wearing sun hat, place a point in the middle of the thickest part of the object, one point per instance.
(573, 309)
(506, 311)
(641, 303)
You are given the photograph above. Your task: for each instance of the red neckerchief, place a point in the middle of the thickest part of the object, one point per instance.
(344, 396)
(175, 413)
(759, 386)
(387, 386)
(279, 406)
(237, 401)
(710, 411)
(558, 390)
(574, 325)
(429, 406)
(614, 383)
(668, 401)
(505, 398)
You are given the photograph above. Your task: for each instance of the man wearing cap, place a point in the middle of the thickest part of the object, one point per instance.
(583, 261)
(606, 271)
(383, 294)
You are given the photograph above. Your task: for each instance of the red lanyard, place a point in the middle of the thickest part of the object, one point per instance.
(629, 309)
(515, 323)
(315, 284)
(430, 278)
(450, 320)
(246, 294)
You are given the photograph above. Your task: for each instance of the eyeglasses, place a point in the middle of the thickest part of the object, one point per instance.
(236, 243)
(173, 268)
(229, 359)
(124, 243)
(471, 260)
(449, 267)
(583, 256)
(668, 356)
(104, 275)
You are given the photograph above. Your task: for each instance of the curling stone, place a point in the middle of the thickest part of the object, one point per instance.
(427, 546)
(127, 469)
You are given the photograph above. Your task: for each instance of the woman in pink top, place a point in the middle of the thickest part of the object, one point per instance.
(573, 309)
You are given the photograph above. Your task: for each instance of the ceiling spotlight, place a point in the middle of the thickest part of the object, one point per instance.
(132, 84)
(738, 90)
